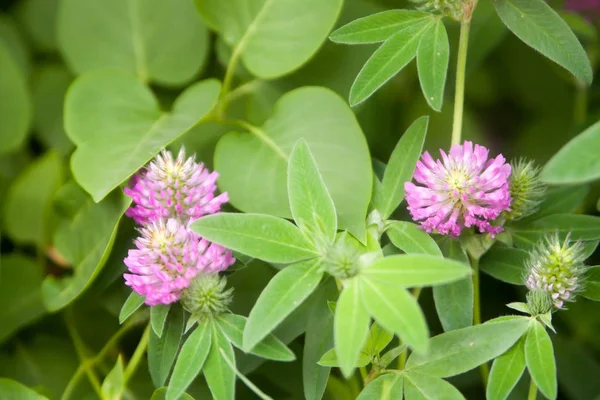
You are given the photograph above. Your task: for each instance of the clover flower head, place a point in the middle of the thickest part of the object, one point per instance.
(168, 256)
(206, 296)
(465, 189)
(173, 188)
(526, 189)
(555, 267)
(451, 8)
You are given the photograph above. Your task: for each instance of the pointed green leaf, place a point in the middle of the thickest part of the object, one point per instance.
(387, 61)
(131, 305)
(10, 389)
(311, 205)
(114, 383)
(591, 288)
(378, 339)
(158, 316)
(377, 27)
(505, 264)
(190, 360)
(397, 311)
(426, 387)
(409, 238)
(163, 350)
(453, 353)
(506, 372)
(540, 27)
(561, 200)
(218, 373)
(284, 293)
(386, 387)
(580, 227)
(433, 56)
(522, 307)
(539, 355)
(231, 362)
(391, 355)
(329, 359)
(260, 236)
(161, 393)
(351, 327)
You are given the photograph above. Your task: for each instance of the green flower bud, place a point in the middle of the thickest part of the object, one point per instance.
(539, 302)
(526, 189)
(342, 259)
(206, 296)
(451, 8)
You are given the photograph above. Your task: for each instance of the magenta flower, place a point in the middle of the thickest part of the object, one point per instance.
(173, 188)
(464, 190)
(167, 258)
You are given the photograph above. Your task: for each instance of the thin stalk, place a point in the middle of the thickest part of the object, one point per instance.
(532, 391)
(485, 372)
(402, 360)
(459, 95)
(228, 80)
(138, 355)
(581, 104)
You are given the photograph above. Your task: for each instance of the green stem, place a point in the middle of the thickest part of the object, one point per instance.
(402, 360)
(461, 67)
(485, 372)
(581, 104)
(532, 391)
(228, 80)
(138, 354)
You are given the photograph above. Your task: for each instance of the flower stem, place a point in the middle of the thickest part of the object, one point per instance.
(137, 355)
(459, 95)
(532, 391)
(477, 312)
(581, 104)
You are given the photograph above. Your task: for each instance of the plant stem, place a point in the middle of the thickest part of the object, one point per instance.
(532, 391)
(459, 95)
(227, 81)
(402, 360)
(477, 311)
(581, 104)
(137, 355)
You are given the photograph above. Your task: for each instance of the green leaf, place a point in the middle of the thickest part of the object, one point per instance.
(330, 359)
(581, 227)
(540, 359)
(426, 387)
(412, 270)
(389, 59)
(218, 373)
(401, 165)
(161, 394)
(350, 326)
(163, 350)
(15, 104)
(311, 205)
(15, 43)
(378, 339)
(324, 120)
(114, 383)
(506, 372)
(561, 200)
(409, 238)
(190, 360)
(540, 27)
(38, 19)
(391, 355)
(577, 161)
(158, 316)
(284, 293)
(397, 311)
(270, 347)
(260, 236)
(131, 305)
(591, 287)
(274, 37)
(28, 214)
(136, 37)
(433, 55)
(518, 306)
(94, 121)
(10, 389)
(453, 353)
(85, 241)
(20, 295)
(377, 27)
(386, 387)
(505, 264)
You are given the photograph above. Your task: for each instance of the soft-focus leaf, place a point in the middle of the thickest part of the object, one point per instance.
(329, 359)
(433, 55)
(218, 373)
(158, 316)
(161, 394)
(15, 43)
(409, 238)
(539, 355)
(107, 107)
(386, 387)
(330, 129)
(580, 227)
(378, 339)
(560, 200)
(425, 387)
(114, 383)
(505, 264)
(163, 350)
(133, 302)
(133, 36)
(591, 287)
(540, 27)
(518, 306)
(391, 355)
(38, 18)
(506, 372)
(10, 389)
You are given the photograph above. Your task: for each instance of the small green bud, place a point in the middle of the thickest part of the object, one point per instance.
(526, 189)
(206, 296)
(342, 258)
(451, 8)
(539, 302)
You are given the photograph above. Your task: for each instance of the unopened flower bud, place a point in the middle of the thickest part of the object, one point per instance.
(342, 259)
(206, 296)
(451, 8)
(526, 190)
(539, 302)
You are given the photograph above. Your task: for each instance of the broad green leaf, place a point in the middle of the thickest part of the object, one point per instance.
(329, 359)
(28, 214)
(386, 387)
(107, 107)
(453, 353)
(409, 238)
(114, 383)
(505, 264)
(259, 236)
(270, 347)
(396, 310)
(433, 55)
(401, 166)
(577, 161)
(218, 373)
(85, 241)
(581, 227)
(378, 339)
(311, 205)
(133, 36)
(377, 27)
(163, 350)
(426, 387)
(284, 293)
(15, 104)
(190, 360)
(350, 326)
(540, 27)
(387, 61)
(506, 372)
(272, 37)
(20, 294)
(15, 44)
(10, 389)
(411, 270)
(560, 200)
(539, 355)
(591, 286)
(38, 18)
(131, 305)
(324, 120)
(158, 316)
